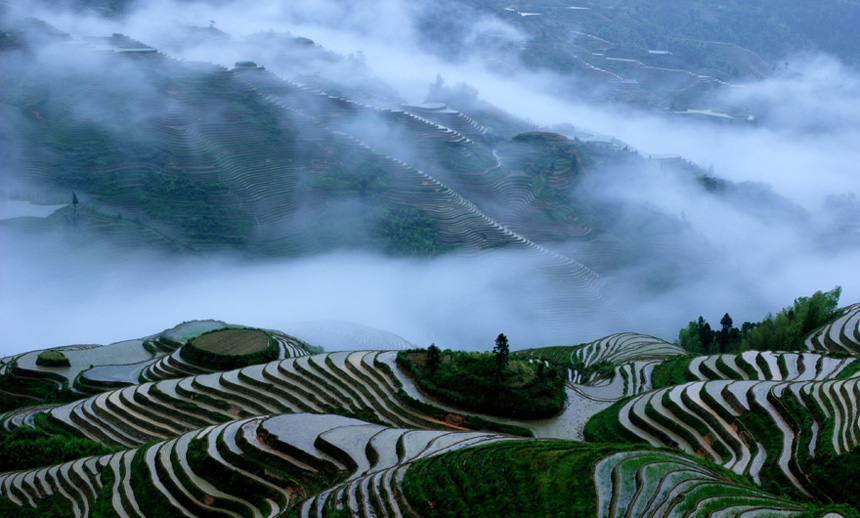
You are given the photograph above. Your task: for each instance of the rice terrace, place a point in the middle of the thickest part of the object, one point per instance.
(627, 425)
(272, 233)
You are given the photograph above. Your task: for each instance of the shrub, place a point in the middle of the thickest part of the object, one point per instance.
(52, 358)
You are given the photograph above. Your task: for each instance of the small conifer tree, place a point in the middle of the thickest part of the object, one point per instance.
(502, 351)
(434, 359)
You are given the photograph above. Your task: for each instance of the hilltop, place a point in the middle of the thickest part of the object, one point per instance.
(306, 433)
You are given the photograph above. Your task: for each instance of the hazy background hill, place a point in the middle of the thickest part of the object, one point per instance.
(282, 164)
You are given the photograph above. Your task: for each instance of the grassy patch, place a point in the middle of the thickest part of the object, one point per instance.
(227, 349)
(604, 426)
(473, 381)
(674, 371)
(850, 370)
(26, 448)
(232, 341)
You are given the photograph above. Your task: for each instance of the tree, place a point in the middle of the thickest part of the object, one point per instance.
(786, 330)
(501, 350)
(724, 335)
(434, 359)
(706, 335)
(689, 339)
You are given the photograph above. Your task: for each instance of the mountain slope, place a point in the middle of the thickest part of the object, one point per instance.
(265, 440)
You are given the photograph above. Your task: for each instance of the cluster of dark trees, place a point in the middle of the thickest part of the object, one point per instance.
(488, 383)
(783, 332)
(501, 352)
(700, 338)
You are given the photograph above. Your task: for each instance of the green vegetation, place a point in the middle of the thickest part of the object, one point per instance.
(559, 355)
(52, 359)
(484, 383)
(592, 371)
(54, 506)
(192, 206)
(207, 414)
(673, 371)
(838, 476)
(785, 332)
(20, 389)
(522, 479)
(406, 231)
(25, 447)
(145, 493)
(508, 478)
(227, 349)
(604, 426)
(236, 342)
(352, 175)
(699, 338)
(220, 475)
(102, 507)
(571, 357)
(850, 370)
(502, 351)
(469, 422)
(553, 167)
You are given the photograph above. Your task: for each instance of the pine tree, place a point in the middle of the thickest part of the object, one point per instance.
(724, 334)
(502, 351)
(434, 359)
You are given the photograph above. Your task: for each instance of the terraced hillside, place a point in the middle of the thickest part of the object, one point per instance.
(652, 53)
(574, 479)
(792, 422)
(774, 417)
(609, 368)
(349, 434)
(94, 369)
(307, 153)
(207, 158)
(276, 464)
(842, 335)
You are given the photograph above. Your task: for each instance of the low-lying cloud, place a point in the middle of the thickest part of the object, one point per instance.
(100, 296)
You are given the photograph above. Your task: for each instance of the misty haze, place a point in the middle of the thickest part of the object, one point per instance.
(669, 193)
(659, 213)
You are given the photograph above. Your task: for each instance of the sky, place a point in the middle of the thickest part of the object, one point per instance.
(804, 151)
